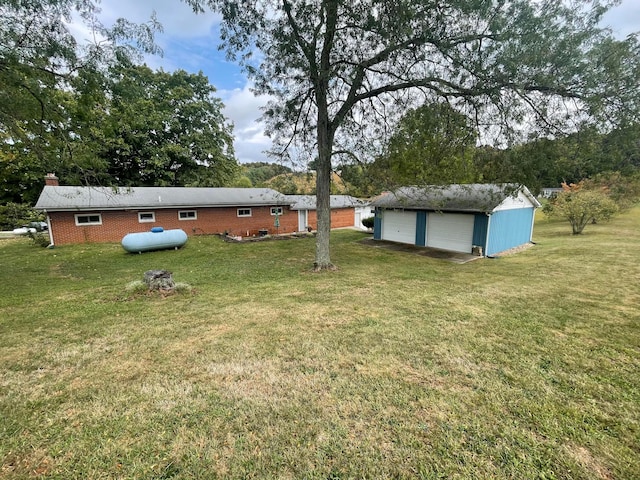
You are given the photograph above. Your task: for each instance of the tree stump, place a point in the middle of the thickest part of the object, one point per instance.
(159, 280)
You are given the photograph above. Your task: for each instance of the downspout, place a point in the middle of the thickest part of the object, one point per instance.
(533, 220)
(486, 252)
(51, 245)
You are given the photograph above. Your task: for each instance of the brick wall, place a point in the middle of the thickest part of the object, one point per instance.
(340, 217)
(116, 224)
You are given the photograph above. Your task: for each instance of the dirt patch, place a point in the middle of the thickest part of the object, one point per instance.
(265, 238)
(455, 257)
(514, 250)
(588, 461)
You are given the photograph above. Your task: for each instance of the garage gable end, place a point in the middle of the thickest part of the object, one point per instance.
(509, 229)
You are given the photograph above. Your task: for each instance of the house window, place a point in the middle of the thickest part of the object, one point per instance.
(146, 217)
(187, 215)
(91, 219)
(244, 212)
(276, 210)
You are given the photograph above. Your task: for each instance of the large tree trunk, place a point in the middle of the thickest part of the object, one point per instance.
(323, 210)
(325, 142)
(323, 185)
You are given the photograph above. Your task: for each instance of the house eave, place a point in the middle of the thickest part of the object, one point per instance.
(154, 207)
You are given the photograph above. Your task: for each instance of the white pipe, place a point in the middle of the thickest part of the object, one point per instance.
(49, 230)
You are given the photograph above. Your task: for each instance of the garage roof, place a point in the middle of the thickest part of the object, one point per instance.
(475, 197)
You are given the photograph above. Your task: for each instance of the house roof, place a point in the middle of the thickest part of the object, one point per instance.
(308, 202)
(476, 197)
(65, 198)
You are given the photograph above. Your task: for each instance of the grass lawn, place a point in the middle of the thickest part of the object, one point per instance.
(394, 366)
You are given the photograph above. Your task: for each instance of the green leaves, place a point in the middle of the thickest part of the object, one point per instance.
(52, 87)
(432, 144)
(165, 129)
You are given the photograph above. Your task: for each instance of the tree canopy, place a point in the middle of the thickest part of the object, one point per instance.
(90, 113)
(548, 162)
(163, 128)
(432, 144)
(260, 172)
(338, 69)
(39, 56)
(41, 63)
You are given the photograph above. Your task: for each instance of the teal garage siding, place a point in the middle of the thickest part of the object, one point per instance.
(377, 224)
(509, 229)
(421, 228)
(480, 226)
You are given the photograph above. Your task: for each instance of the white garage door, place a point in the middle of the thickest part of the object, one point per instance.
(399, 226)
(450, 231)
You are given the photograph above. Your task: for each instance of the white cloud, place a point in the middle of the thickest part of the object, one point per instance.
(243, 108)
(177, 18)
(623, 19)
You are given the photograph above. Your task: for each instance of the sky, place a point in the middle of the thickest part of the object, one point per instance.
(190, 42)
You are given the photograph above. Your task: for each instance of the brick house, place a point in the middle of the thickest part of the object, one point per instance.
(102, 214)
(346, 211)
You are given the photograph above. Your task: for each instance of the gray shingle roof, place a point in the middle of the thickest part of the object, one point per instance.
(308, 202)
(476, 197)
(58, 198)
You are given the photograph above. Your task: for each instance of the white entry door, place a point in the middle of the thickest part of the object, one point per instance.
(399, 226)
(450, 231)
(302, 220)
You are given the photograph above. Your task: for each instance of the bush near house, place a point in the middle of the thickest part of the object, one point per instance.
(368, 222)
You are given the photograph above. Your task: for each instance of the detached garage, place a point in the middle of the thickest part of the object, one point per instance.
(460, 218)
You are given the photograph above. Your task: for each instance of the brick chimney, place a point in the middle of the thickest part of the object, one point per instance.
(51, 179)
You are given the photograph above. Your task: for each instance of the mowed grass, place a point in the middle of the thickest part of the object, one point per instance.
(394, 366)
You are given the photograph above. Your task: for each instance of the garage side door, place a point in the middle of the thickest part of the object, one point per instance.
(450, 231)
(399, 226)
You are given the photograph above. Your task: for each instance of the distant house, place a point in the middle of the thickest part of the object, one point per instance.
(461, 218)
(550, 192)
(346, 211)
(102, 214)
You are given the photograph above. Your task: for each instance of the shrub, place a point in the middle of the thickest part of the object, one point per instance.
(580, 207)
(368, 222)
(39, 238)
(624, 190)
(13, 215)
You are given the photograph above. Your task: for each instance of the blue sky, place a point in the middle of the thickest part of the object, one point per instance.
(190, 41)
